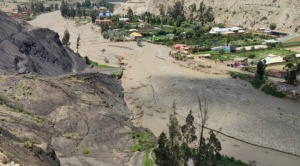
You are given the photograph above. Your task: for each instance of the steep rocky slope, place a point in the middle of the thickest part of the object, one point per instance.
(24, 49)
(74, 119)
(67, 115)
(248, 13)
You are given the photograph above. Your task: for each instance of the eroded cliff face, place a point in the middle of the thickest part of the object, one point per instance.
(25, 49)
(248, 13)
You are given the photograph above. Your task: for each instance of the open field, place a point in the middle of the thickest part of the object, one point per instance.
(259, 54)
(152, 82)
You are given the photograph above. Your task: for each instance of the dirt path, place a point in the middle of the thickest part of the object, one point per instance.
(152, 82)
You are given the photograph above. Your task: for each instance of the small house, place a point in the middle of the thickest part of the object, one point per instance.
(136, 36)
(271, 41)
(124, 19)
(185, 49)
(141, 25)
(104, 12)
(98, 21)
(217, 30)
(103, 9)
(216, 49)
(178, 46)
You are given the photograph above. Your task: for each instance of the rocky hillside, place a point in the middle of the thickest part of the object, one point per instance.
(24, 49)
(248, 13)
(77, 119)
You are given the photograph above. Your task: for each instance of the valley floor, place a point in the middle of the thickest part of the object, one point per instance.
(152, 82)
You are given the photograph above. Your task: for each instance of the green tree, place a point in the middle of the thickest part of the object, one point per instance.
(203, 116)
(104, 27)
(175, 137)
(87, 60)
(84, 13)
(130, 14)
(93, 16)
(189, 136)
(87, 3)
(105, 35)
(272, 26)
(161, 10)
(221, 51)
(291, 70)
(177, 10)
(163, 152)
(78, 12)
(56, 6)
(205, 14)
(78, 5)
(66, 38)
(261, 66)
(78, 43)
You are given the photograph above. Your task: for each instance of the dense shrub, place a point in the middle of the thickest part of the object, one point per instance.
(256, 82)
(268, 89)
(290, 58)
(272, 26)
(251, 56)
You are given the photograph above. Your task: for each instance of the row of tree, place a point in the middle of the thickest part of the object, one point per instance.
(68, 10)
(181, 145)
(290, 68)
(37, 7)
(179, 12)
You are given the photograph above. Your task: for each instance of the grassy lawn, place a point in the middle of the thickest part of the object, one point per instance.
(259, 54)
(142, 141)
(85, 20)
(158, 38)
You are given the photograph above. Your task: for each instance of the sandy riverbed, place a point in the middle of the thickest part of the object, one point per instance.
(152, 82)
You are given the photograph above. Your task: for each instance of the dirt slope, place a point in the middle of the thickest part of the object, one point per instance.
(69, 115)
(24, 49)
(248, 13)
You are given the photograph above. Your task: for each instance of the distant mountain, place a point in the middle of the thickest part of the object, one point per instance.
(25, 49)
(248, 13)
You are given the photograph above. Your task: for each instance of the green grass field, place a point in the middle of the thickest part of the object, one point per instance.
(259, 54)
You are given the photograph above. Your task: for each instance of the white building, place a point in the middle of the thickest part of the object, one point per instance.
(270, 59)
(216, 30)
(124, 19)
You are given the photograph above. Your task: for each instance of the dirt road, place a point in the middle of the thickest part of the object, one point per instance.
(152, 82)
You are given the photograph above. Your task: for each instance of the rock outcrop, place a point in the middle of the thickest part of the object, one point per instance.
(75, 119)
(24, 49)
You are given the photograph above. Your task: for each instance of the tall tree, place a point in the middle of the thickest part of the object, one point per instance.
(162, 152)
(177, 10)
(64, 8)
(203, 115)
(175, 137)
(93, 15)
(66, 38)
(261, 66)
(130, 14)
(291, 70)
(78, 43)
(87, 3)
(189, 136)
(161, 10)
